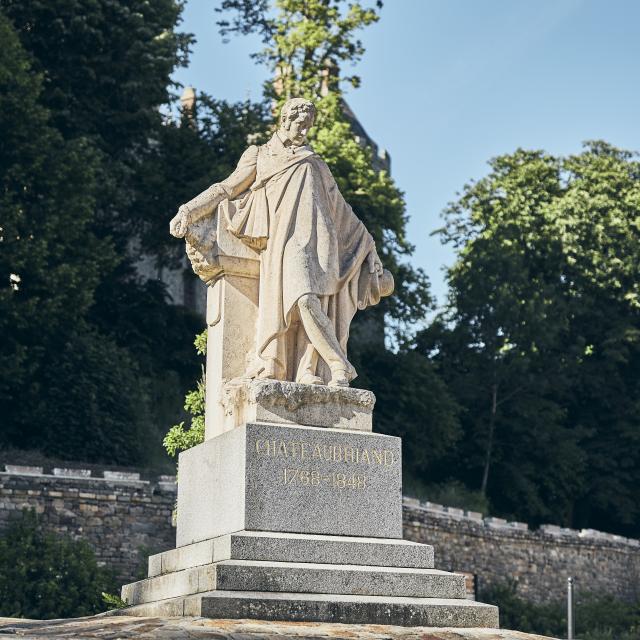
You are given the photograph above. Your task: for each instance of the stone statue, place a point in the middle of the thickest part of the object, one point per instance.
(317, 262)
(290, 479)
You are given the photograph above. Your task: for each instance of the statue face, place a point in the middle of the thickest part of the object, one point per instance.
(297, 125)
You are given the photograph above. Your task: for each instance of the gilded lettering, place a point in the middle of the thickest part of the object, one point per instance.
(294, 447)
(388, 458)
(365, 456)
(317, 452)
(349, 454)
(377, 456)
(262, 447)
(303, 450)
(282, 449)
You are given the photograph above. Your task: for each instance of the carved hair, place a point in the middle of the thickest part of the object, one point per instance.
(291, 108)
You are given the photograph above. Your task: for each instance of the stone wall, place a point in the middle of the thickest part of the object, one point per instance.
(540, 561)
(122, 517)
(125, 518)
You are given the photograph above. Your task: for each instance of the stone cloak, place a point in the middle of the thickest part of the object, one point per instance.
(310, 240)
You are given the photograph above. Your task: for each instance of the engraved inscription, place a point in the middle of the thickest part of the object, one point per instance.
(300, 450)
(316, 478)
(317, 481)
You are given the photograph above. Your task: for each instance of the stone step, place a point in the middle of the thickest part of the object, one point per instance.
(291, 547)
(171, 585)
(292, 577)
(254, 575)
(348, 609)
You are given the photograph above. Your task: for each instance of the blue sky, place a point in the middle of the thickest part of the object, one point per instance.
(448, 84)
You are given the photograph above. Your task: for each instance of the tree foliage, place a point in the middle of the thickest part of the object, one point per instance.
(181, 437)
(107, 68)
(411, 402)
(597, 616)
(50, 265)
(93, 357)
(539, 342)
(44, 575)
(305, 42)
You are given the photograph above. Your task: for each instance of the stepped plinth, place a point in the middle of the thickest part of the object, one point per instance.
(299, 523)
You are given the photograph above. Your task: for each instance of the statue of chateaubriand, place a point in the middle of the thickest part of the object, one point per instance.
(317, 262)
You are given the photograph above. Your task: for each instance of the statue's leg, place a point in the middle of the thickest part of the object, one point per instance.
(307, 357)
(322, 336)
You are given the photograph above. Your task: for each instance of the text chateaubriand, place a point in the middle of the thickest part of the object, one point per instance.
(300, 450)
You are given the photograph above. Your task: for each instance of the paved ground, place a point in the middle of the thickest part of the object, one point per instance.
(108, 627)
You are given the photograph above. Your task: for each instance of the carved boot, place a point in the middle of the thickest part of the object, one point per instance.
(309, 378)
(262, 369)
(342, 375)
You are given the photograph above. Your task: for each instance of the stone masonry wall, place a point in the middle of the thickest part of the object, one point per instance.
(125, 518)
(539, 561)
(122, 517)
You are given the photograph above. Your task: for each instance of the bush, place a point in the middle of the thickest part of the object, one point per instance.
(44, 575)
(180, 438)
(597, 617)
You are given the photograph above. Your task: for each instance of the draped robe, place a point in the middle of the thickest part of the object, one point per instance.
(285, 204)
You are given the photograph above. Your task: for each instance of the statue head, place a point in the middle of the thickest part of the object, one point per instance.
(296, 118)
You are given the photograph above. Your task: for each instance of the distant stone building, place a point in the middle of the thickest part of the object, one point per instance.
(381, 158)
(183, 285)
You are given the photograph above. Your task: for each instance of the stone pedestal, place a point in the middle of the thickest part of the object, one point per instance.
(267, 477)
(301, 577)
(280, 521)
(231, 271)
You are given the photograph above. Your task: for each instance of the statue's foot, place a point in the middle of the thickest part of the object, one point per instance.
(268, 372)
(341, 376)
(261, 369)
(309, 378)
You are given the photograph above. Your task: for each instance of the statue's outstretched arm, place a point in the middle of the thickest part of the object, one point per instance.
(205, 203)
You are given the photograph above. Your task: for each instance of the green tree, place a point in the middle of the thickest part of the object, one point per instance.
(112, 65)
(107, 66)
(95, 189)
(539, 342)
(305, 42)
(44, 575)
(82, 97)
(181, 437)
(50, 265)
(412, 402)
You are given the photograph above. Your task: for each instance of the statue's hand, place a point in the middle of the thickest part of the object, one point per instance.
(375, 266)
(179, 223)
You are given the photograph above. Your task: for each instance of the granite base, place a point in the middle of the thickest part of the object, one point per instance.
(294, 479)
